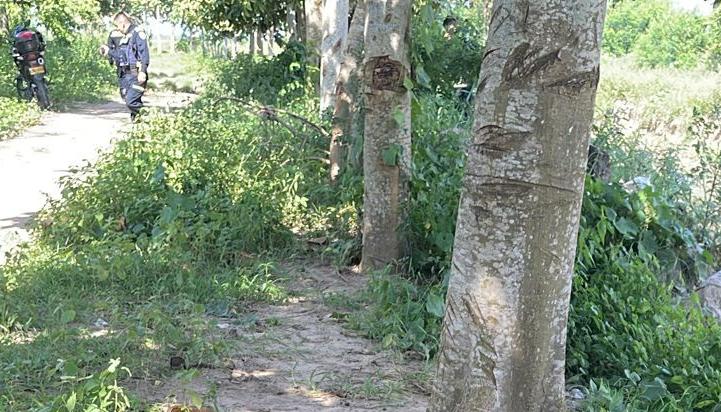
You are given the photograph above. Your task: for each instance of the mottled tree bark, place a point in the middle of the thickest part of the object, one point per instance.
(314, 28)
(252, 44)
(259, 41)
(347, 91)
(300, 24)
(504, 333)
(387, 131)
(335, 32)
(292, 25)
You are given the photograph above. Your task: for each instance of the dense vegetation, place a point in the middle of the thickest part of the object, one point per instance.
(190, 215)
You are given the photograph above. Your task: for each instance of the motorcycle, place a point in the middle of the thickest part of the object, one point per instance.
(28, 52)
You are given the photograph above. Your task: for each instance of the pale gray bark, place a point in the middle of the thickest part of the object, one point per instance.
(270, 42)
(259, 42)
(252, 48)
(347, 92)
(300, 24)
(335, 31)
(291, 24)
(504, 333)
(314, 27)
(387, 131)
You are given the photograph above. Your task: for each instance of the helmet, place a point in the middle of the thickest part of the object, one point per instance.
(19, 29)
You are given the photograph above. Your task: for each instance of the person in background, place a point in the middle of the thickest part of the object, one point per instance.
(131, 55)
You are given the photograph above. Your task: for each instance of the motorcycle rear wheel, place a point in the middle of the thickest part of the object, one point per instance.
(25, 93)
(41, 90)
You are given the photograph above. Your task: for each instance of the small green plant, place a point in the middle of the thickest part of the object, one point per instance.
(95, 393)
(16, 116)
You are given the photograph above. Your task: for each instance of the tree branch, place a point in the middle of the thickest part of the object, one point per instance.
(269, 112)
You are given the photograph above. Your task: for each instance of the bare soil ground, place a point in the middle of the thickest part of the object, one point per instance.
(298, 357)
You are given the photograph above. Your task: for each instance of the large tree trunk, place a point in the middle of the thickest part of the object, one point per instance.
(347, 91)
(387, 143)
(314, 28)
(504, 334)
(335, 31)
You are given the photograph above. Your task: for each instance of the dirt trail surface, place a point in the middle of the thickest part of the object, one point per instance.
(297, 356)
(31, 164)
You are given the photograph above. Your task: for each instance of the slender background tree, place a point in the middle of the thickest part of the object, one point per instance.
(387, 132)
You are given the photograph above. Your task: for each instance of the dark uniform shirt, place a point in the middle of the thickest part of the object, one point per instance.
(131, 50)
(130, 53)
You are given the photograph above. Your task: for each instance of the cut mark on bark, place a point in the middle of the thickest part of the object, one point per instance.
(484, 354)
(500, 23)
(496, 141)
(572, 86)
(482, 85)
(387, 74)
(521, 186)
(524, 62)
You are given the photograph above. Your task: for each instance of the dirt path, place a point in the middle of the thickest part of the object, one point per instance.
(299, 357)
(31, 164)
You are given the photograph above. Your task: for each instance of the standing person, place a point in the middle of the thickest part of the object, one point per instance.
(132, 58)
(114, 39)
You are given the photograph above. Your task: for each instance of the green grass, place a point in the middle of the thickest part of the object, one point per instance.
(63, 316)
(661, 99)
(175, 227)
(15, 116)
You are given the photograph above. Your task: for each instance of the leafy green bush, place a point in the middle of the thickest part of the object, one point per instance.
(440, 131)
(15, 116)
(77, 72)
(446, 56)
(270, 81)
(627, 327)
(628, 20)
(404, 314)
(214, 180)
(704, 134)
(95, 393)
(676, 39)
(162, 231)
(714, 53)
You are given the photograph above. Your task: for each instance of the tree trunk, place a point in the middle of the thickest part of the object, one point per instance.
(387, 143)
(347, 91)
(503, 343)
(335, 31)
(487, 11)
(291, 23)
(270, 42)
(314, 28)
(300, 25)
(259, 42)
(4, 21)
(251, 44)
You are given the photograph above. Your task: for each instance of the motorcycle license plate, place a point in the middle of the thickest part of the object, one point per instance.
(37, 70)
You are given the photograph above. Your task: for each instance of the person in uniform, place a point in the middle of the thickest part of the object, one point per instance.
(131, 55)
(114, 39)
